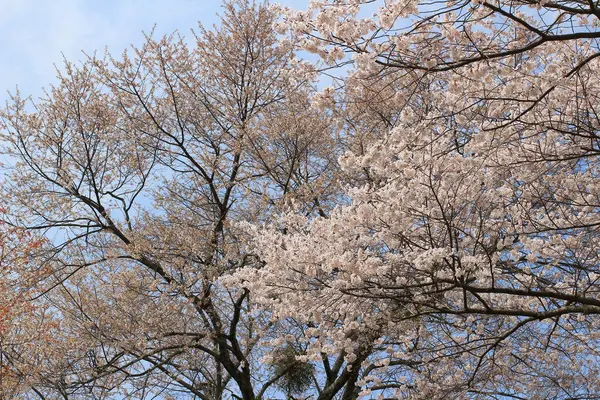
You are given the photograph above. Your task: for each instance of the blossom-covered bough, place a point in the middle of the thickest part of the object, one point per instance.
(22, 324)
(469, 251)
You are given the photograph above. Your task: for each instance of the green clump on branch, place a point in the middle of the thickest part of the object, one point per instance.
(296, 375)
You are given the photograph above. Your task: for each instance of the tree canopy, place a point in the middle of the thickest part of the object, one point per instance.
(363, 199)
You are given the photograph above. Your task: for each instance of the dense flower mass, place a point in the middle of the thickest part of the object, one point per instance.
(469, 245)
(363, 199)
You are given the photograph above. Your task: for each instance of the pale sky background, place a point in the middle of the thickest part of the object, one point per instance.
(35, 33)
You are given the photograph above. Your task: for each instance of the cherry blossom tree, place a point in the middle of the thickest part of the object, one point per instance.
(134, 168)
(467, 251)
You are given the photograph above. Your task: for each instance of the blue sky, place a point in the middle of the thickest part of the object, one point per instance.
(35, 33)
